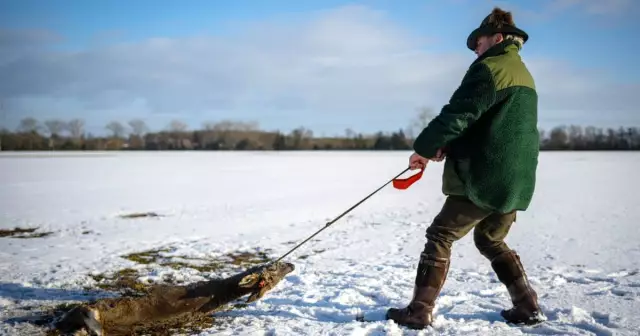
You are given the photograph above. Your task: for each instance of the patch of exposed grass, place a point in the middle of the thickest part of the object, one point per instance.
(140, 215)
(23, 233)
(147, 257)
(210, 264)
(247, 258)
(126, 281)
(156, 256)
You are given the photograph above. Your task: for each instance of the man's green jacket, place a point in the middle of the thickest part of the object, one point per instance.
(489, 132)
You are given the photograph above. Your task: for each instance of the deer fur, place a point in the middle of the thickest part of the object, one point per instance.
(119, 316)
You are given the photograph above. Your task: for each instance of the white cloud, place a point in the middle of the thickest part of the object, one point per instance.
(350, 67)
(563, 86)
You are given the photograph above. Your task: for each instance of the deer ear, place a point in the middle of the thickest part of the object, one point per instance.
(249, 280)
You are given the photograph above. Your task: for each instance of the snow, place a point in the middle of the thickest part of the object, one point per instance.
(578, 241)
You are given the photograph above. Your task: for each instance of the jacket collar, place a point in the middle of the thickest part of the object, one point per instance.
(503, 47)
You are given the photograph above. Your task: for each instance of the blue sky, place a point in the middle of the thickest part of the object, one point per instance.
(326, 65)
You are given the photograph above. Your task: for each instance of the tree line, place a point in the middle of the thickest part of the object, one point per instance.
(56, 134)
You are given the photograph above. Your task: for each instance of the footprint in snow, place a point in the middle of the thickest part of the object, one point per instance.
(600, 291)
(621, 292)
(492, 292)
(605, 319)
(576, 320)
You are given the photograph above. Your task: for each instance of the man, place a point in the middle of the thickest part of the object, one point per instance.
(488, 133)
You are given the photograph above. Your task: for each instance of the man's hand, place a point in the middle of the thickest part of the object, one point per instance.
(439, 156)
(418, 162)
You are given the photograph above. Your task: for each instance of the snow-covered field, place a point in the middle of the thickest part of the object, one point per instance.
(580, 240)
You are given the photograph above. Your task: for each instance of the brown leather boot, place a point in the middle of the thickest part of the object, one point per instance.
(510, 272)
(430, 277)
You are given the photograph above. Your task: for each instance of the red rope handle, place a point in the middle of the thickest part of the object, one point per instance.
(405, 183)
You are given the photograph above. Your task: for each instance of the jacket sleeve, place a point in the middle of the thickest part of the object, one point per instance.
(475, 95)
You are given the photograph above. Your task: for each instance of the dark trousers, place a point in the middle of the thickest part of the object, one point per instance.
(457, 217)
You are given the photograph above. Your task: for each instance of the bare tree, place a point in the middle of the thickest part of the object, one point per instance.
(3, 111)
(29, 125)
(349, 133)
(542, 137)
(55, 126)
(632, 134)
(421, 121)
(231, 125)
(224, 125)
(4, 120)
(116, 128)
(425, 114)
(75, 128)
(177, 129)
(177, 126)
(247, 126)
(558, 138)
(208, 125)
(300, 136)
(138, 127)
(575, 136)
